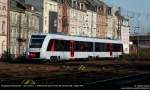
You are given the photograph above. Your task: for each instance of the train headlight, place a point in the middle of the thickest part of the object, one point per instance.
(34, 54)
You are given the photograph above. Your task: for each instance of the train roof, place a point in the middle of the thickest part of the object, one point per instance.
(80, 38)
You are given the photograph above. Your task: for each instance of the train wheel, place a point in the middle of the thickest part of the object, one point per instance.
(90, 58)
(97, 57)
(120, 57)
(58, 59)
(49, 61)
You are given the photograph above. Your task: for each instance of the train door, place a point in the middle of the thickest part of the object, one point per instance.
(72, 48)
(111, 49)
(53, 47)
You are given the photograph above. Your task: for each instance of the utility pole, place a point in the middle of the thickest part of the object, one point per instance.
(8, 30)
(138, 41)
(137, 38)
(19, 32)
(92, 25)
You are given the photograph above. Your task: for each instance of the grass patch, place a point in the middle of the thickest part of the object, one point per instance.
(142, 52)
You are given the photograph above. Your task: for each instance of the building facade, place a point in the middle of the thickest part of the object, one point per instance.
(63, 19)
(23, 22)
(113, 24)
(125, 35)
(102, 22)
(3, 26)
(49, 14)
(77, 22)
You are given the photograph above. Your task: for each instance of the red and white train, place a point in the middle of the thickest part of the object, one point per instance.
(54, 47)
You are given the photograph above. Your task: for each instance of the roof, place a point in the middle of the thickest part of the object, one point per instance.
(21, 6)
(17, 5)
(90, 4)
(80, 38)
(93, 4)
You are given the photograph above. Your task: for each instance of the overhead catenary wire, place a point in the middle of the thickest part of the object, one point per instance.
(141, 18)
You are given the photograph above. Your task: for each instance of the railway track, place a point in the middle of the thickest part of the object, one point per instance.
(116, 63)
(67, 78)
(78, 78)
(75, 78)
(70, 79)
(123, 81)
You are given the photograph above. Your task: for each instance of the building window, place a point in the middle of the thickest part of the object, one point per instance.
(3, 27)
(109, 10)
(4, 8)
(81, 6)
(3, 46)
(101, 8)
(62, 1)
(74, 4)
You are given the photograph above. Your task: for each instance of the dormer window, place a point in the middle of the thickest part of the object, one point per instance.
(3, 27)
(4, 8)
(74, 3)
(101, 8)
(62, 1)
(109, 10)
(97, 9)
(82, 6)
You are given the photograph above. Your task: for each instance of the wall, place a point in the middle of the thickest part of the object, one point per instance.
(82, 23)
(94, 20)
(76, 22)
(38, 4)
(3, 26)
(91, 18)
(60, 16)
(125, 36)
(49, 6)
(65, 19)
(101, 31)
(112, 27)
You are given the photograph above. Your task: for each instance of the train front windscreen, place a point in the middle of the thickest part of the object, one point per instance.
(36, 41)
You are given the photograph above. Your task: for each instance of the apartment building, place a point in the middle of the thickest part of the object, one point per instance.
(24, 21)
(125, 35)
(3, 26)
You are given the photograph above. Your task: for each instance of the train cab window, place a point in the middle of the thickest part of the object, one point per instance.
(97, 47)
(84, 46)
(100, 47)
(121, 48)
(62, 45)
(36, 43)
(77, 44)
(89, 46)
(117, 48)
(58, 45)
(109, 47)
(51, 45)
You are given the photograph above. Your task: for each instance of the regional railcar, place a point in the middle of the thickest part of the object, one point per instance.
(54, 47)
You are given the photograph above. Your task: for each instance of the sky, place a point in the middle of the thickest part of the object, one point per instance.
(138, 9)
(132, 5)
